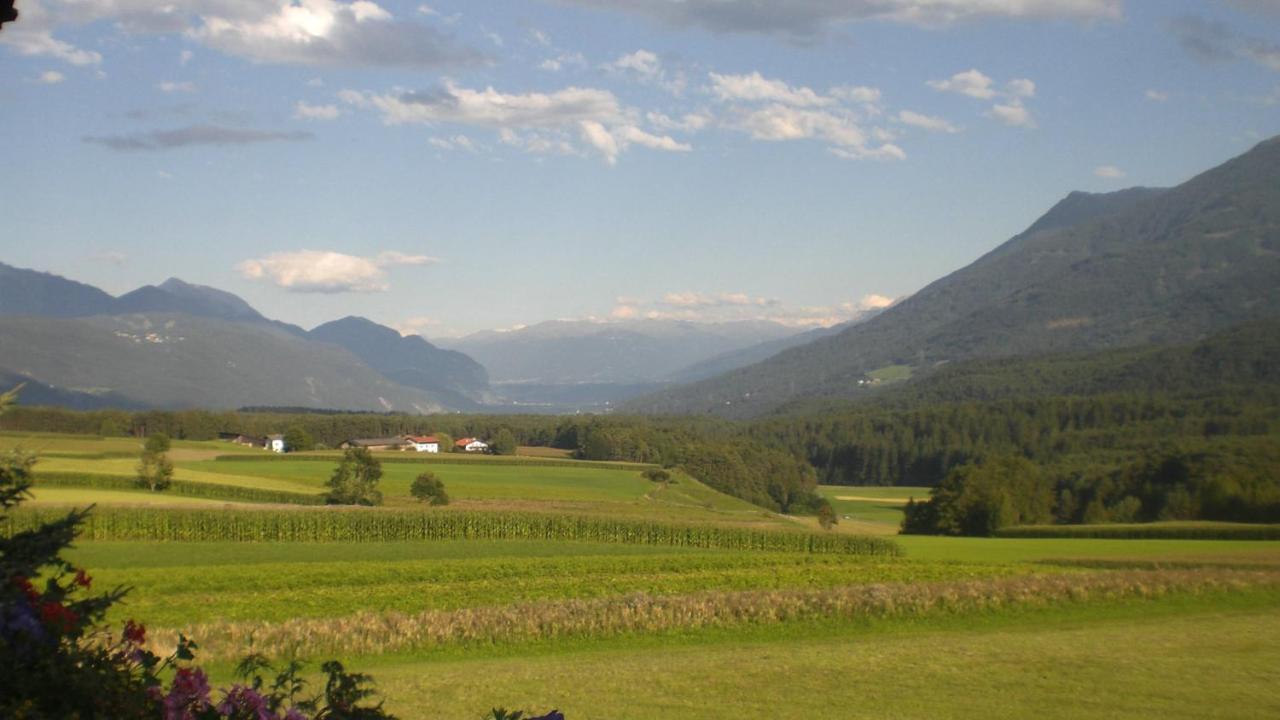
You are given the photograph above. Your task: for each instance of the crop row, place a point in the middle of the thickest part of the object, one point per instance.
(1148, 531)
(439, 459)
(186, 488)
(369, 633)
(351, 525)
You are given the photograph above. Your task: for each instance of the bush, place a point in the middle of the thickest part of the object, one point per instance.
(155, 471)
(429, 489)
(355, 480)
(656, 475)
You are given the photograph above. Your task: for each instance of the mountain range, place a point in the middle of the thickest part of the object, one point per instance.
(177, 345)
(1139, 267)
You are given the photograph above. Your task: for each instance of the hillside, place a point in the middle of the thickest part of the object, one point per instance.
(1139, 267)
(180, 361)
(28, 292)
(410, 361)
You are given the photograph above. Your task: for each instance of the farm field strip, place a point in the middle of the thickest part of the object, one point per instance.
(371, 633)
(1167, 659)
(79, 497)
(174, 596)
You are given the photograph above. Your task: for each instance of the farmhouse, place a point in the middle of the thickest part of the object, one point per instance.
(385, 443)
(239, 439)
(471, 445)
(274, 443)
(423, 443)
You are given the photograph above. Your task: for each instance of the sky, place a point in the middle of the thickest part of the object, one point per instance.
(454, 166)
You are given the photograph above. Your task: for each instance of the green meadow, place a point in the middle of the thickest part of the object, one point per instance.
(614, 625)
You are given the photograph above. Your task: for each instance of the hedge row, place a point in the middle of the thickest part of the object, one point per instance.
(1168, 531)
(443, 459)
(186, 488)
(375, 525)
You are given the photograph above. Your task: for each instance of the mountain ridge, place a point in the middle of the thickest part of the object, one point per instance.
(1141, 266)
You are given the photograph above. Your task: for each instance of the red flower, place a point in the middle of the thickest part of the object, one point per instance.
(57, 617)
(135, 633)
(82, 579)
(27, 588)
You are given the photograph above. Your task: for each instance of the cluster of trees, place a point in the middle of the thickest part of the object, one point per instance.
(1230, 479)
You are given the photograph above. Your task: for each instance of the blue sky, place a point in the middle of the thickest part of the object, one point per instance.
(454, 166)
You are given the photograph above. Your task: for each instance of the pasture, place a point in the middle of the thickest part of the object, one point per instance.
(590, 589)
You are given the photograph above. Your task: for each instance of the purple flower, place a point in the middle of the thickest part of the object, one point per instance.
(243, 702)
(189, 694)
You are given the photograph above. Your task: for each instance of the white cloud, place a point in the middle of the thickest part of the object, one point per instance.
(1021, 88)
(646, 67)
(1013, 114)
(51, 77)
(314, 271)
(415, 325)
(457, 142)
(926, 122)
(185, 57)
(1156, 95)
(757, 88)
(33, 36)
(970, 82)
(732, 299)
(1009, 107)
(689, 122)
(873, 301)
(169, 86)
(594, 116)
(860, 94)
(304, 111)
(1110, 172)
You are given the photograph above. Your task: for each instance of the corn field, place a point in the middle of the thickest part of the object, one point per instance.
(369, 633)
(352, 525)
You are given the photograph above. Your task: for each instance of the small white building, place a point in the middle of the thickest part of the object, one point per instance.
(472, 445)
(423, 443)
(275, 443)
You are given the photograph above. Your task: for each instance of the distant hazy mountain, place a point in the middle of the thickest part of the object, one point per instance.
(410, 361)
(28, 292)
(178, 361)
(628, 352)
(159, 346)
(1138, 267)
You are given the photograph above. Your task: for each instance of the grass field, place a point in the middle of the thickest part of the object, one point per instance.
(880, 505)
(1059, 627)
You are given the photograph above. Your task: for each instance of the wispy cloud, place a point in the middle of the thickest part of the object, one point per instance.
(195, 135)
(1212, 41)
(317, 271)
(805, 21)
